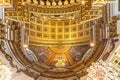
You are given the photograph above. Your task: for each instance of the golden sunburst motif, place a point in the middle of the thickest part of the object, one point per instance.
(60, 49)
(60, 56)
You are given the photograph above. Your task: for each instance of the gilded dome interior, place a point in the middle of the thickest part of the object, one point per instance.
(59, 39)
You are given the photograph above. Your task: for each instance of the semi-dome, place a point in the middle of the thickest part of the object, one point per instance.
(57, 39)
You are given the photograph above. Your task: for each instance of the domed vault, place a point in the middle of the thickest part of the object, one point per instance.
(56, 38)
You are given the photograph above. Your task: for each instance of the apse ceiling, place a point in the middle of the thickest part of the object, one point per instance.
(56, 38)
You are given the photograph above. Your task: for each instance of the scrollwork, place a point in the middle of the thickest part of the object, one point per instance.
(2, 31)
(7, 56)
(113, 26)
(112, 46)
